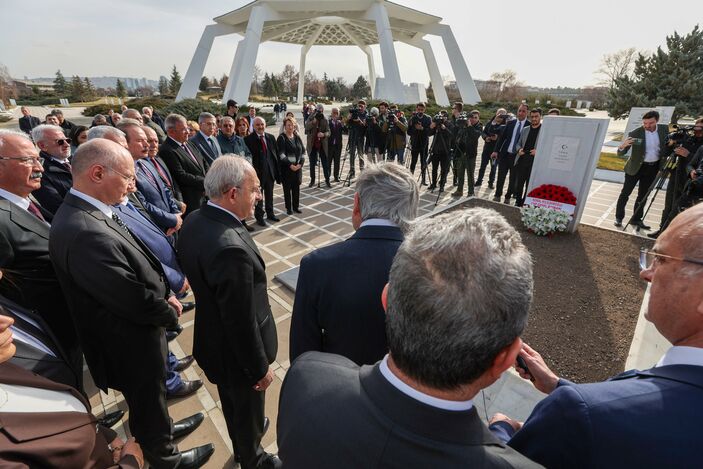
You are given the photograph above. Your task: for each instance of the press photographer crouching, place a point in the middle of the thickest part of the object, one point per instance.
(396, 128)
(441, 128)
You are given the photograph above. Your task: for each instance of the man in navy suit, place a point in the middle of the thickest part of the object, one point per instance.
(206, 138)
(337, 305)
(55, 148)
(647, 418)
(506, 150)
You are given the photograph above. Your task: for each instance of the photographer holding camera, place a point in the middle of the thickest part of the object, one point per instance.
(419, 131)
(383, 131)
(396, 127)
(357, 131)
(318, 130)
(373, 135)
(490, 135)
(468, 129)
(686, 141)
(441, 128)
(457, 113)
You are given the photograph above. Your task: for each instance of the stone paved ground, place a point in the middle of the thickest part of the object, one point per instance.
(326, 219)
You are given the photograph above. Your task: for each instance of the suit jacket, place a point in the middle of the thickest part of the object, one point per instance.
(116, 292)
(55, 183)
(503, 143)
(634, 162)
(234, 145)
(523, 140)
(637, 419)
(337, 305)
(266, 166)
(235, 333)
(312, 127)
(168, 179)
(187, 174)
(27, 123)
(53, 439)
(31, 279)
(206, 150)
(55, 365)
(158, 200)
(334, 414)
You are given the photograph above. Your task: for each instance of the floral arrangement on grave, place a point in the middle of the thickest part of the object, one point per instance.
(548, 209)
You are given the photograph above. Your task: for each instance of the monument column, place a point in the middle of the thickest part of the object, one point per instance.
(301, 74)
(372, 70)
(242, 72)
(440, 93)
(191, 80)
(391, 73)
(466, 85)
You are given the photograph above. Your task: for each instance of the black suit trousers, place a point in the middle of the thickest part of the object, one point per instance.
(334, 159)
(243, 409)
(506, 161)
(645, 177)
(523, 170)
(267, 202)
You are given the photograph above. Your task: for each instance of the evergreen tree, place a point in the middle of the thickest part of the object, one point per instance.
(88, 89)
(60, 84)
(666, 78)
(175, 82)
(163, 86)
(120, 89)
(204, 84)
(77, 89)
(361, 88)
(223, 81)
(267, 86)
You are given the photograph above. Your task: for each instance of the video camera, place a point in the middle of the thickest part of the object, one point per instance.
(681, 133)
(354, 112)
(440, 118)
(462, 119)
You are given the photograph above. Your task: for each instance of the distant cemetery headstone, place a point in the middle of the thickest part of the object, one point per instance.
(548, 103)
(13, 102)
(536, 101)
(568, 105)
(578, 104)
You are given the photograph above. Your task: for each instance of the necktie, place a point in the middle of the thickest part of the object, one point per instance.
(122, 225)
(147, 173)
(215, 147)
(263, 145)
(192, 156)
(517, 136)
(160, 170)
(66, 166)
(34, 210)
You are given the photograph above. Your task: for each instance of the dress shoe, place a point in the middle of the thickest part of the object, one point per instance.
(654, 235)
(185, 389)
(336, 179)
(312, 183)
(506, 200)
(640, 225)
(496, 198)
(289, 211)
(441, 188)
(478, 183)
(270, 461)
(273, 218)
(455, 183)
(187, 425)
(618, 222)
(431, 187)
(490, 185)
(183, 363)
(261, 222)
(173, 333)
(297, 210)
(327, 183)
(470, 194)
(457, 193)
(188, 306)
(113, 417)
(196, 457)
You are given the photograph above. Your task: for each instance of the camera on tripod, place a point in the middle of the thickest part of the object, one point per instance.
(462, 119)
(354, 112)
(681, 133)
(440, 118)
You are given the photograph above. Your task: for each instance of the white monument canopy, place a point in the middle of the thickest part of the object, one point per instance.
(356, 23)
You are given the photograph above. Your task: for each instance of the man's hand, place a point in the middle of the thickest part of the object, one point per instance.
(494, 155)
(627, 143)
(418, 126)
(544, 379)
(533, 151)
(493, 137)
(320, 135)
(433, 125)
(175, 304)
(521, 152)
(130, 447)
(186, 286)
(681, 151)
(516, 424)
(183, 208)
(7, 348)
(693, 174)
(264, 382)
(179, 222)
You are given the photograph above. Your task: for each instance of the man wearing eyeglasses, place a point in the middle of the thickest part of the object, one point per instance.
(57, 180)
(647, 418)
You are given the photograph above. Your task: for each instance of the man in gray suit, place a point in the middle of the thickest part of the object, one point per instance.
(449, 334)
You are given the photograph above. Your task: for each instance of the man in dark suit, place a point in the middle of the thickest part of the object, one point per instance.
(24, 245)
(639, 418)
(263, 154)
(337, 305)
(184, 161)
(449, 336)
(55, 148)
(66, 125)
(206, 138)
(159, 166)
(118, 297)
(505, 151)
(28, 121)
(650, 147)
(235, 333)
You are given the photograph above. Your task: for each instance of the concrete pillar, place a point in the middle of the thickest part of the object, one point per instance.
(391, 72)
(301, 74)
(372, 70)
(440, 94)
(242, 72)
(191, 80)
(466, 85)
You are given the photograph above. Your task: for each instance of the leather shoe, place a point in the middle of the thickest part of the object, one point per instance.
(270, 461)
(188, 306)
(297, 210)
(113, 417)
(261, 222)
(184, 363)
(173, 333)
(640, 224)
(185, 389)
(289, 211)
(273, 218)
(654, 235)
(196, 457)
(249, 228)
(496, 199)
(187, 425)
(618, 222)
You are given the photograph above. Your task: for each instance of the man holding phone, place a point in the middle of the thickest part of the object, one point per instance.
(649, 149)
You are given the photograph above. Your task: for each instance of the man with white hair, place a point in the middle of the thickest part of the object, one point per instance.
(235, 338)
(337, 305)
(450, 335)
(262, 146)
(206, 138)
(57, 180)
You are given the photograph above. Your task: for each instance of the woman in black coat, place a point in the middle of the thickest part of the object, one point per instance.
(291, 155)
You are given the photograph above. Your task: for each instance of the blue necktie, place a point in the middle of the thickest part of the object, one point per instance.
(517, 136)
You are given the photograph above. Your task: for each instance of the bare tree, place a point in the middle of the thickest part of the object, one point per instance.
(289, 75)
(619, 64)
(257, 79)
(511, 88)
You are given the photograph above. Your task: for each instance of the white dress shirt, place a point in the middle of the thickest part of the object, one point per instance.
(420, 396)
(681, 355)
(651, 146)
(521, 124)
(211, 204)
(92, 201)
(377, 222)
(15, 199)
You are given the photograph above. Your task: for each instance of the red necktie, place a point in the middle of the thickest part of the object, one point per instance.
(34, 210)
(195, 160)
(160, 170)
(263, 145)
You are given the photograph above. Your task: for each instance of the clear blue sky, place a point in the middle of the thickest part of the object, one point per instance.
(548, 43)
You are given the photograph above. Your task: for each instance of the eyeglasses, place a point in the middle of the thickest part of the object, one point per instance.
(647, 259)
(255, 190)
(129, 179)
(26, 160)
(61, 141)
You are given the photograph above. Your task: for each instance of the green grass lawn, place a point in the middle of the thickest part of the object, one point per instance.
(612, 161)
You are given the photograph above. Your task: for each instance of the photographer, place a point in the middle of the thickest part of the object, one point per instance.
(383, 129)
(334, 142)
(457, 113)
(373, 136)
(357, 131)
(685, 144)
(441, 128)
(490, 135)
(396, 128)
(465, 150)
(318, 130)
(419, 132)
